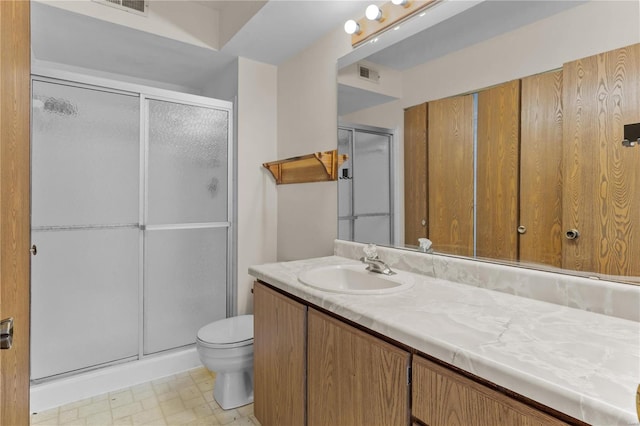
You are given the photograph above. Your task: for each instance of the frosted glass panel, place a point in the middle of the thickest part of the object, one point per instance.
(187, 164)
(344, 229)
(185, 285)
(344, 173)
(371, 173)
(372, 229)
(85, 156)
(84, 299)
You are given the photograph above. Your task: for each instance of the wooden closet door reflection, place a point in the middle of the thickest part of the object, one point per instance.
(497, 174)
(541, 169)
(450, 170)
(601, 191)
(415, 174)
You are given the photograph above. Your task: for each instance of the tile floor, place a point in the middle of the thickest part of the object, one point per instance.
(182, 399)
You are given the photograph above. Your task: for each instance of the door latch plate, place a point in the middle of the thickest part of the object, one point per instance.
(6, 333)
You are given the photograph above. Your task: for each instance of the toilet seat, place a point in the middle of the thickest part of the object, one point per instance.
(227, 333)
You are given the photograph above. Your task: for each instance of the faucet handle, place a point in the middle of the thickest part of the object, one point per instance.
(370, 251)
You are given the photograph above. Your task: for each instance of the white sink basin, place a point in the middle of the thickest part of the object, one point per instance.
(354, 279)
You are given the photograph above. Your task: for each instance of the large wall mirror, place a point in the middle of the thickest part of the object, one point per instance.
(507, 121)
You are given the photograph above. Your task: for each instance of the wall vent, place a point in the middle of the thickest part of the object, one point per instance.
(369, 74)
(139, 7)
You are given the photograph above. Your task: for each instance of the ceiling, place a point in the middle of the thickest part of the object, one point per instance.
(269, 32)
(283, 28)
(276, 32)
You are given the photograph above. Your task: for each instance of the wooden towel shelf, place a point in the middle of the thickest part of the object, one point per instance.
(316, 167)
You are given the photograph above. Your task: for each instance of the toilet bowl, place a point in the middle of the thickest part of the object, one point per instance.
(226, 348)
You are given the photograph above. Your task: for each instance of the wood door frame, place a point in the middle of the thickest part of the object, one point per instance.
(15, 227)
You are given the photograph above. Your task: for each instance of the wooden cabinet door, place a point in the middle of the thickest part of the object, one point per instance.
(450, 167)
(279, 358)
(601, 189)
(354, 378)
(415, 174)
(441, 397)
(15, 74)
(497, 174)
(541, 169)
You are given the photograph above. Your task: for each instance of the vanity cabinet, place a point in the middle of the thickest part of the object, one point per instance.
(313, 369)
(329, 372)
(353, 377)
(279, 358)
(441, 397)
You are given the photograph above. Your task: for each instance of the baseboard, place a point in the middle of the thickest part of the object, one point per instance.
(63, 391)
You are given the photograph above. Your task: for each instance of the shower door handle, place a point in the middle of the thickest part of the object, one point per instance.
(6, 333)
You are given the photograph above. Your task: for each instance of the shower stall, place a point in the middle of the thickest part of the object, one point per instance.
(365, 184)
(131, 222)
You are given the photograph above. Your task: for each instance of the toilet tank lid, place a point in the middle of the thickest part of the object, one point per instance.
(229, 330)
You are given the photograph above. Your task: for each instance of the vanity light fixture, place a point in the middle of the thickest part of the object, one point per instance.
(374, 13)
(352, 27)
(385, 17)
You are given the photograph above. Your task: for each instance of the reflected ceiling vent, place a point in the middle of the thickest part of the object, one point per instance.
(367, 73)
(139, 7)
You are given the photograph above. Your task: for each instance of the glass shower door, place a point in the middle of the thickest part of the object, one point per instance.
(372, 187)
(187, 222)
(345, 192)
(85, 198)
(364, 185)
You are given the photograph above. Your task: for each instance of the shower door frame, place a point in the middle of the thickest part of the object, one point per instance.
(353, 129)
(145, 94)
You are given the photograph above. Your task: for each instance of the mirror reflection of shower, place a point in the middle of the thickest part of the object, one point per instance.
(365, 184)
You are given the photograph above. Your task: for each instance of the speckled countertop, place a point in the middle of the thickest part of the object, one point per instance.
(581, 363)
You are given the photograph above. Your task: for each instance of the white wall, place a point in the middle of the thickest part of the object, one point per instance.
(224, 84)
(38, 66)
(185, 21)
(585, 30)
(592, 28)
(234, 15)
(307, 122)
(257, 195)
(390, 82)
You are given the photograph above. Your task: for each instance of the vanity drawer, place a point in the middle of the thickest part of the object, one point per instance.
(442, 397)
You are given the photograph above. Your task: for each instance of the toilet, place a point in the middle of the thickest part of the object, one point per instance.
(226, 348)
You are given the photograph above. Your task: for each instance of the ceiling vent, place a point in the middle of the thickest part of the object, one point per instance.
(139, 7)
(369, 74)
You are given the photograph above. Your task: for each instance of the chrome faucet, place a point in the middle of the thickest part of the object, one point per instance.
(375, 263)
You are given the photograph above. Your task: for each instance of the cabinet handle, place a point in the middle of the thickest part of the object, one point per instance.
(33, 250)
(522, 229)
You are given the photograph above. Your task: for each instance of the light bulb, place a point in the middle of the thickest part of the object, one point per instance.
(352, 27)
(400, 2)
(373, 13)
